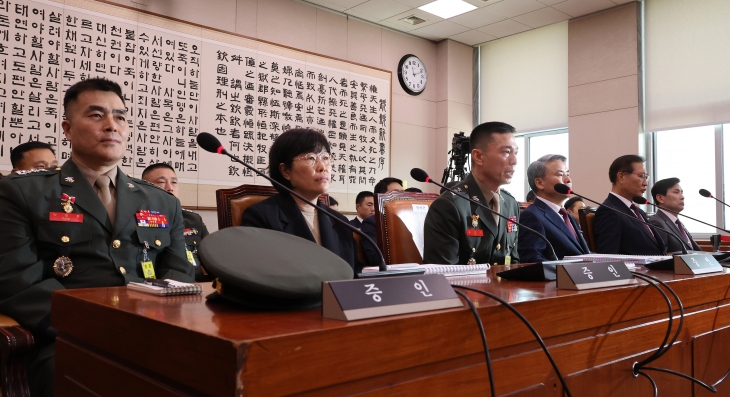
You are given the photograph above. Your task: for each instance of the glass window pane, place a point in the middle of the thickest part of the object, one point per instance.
(517, 187)
(673, 148)
(726, 170)
(548, 144)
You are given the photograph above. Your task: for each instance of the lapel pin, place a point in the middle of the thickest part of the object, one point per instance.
(69, 179)
(130, 186)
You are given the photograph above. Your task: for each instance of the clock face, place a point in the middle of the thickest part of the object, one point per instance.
(412, 74)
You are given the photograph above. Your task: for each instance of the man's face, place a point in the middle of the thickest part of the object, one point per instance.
(556, 172)
(366, 208)
(633, 183)
(494, 163)
(164, 178)
(673, 200)
(37, 158)
(96, 125)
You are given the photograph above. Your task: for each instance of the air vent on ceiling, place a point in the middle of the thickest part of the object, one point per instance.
(413, 20)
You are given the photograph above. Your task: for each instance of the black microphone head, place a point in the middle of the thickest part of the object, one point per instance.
(640, 200)
(562, 189)
(209, 142)
(705, 193)
(419, 175)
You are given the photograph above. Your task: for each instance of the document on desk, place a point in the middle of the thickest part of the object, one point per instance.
(628, 259)
(446, 270)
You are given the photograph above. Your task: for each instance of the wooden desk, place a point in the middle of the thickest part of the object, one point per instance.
(115, 342)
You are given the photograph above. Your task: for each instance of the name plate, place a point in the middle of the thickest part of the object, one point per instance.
(377, 297)
(696, 264)
(588, 275)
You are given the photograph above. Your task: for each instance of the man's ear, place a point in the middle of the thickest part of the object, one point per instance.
(539, 183)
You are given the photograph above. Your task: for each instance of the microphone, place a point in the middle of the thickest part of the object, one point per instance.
(422, 176)
(210, 143)
(564, 189)
(643, 200)
(706, 193)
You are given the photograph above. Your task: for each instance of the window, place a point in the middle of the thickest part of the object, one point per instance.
(533, 146)
(689, 154)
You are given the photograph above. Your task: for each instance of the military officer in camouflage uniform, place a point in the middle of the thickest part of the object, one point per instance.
(458, 231)
(164, 177)
(85, 224)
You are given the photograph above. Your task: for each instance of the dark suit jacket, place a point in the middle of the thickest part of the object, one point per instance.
(356, 222)
(449, 217)
(616, 234)
(544, 220)
(372, 255)
(660, 219)
(281, 213)
(102, 255)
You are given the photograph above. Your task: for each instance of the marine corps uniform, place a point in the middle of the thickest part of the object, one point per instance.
(44, 247)
(457, 230)
(194, 232)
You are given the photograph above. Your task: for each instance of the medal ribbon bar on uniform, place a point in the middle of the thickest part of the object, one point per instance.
(147, 218)
(190, 231)
(66, 197)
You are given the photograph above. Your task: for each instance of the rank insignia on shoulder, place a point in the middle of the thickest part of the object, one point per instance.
(190, 231)
(33, 171)
(511, 225)
(147, 218)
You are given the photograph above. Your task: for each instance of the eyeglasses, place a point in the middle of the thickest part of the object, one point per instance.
(312, 158)
(643, 176)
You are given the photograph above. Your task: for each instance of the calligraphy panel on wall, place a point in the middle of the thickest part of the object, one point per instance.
(180, 79)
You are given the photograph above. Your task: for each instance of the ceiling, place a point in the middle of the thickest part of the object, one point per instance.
(493, 19)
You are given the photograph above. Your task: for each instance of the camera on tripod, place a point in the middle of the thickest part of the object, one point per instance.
(460, 153)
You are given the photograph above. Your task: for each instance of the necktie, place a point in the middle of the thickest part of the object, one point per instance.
(638, 215)
(564, 213)
(494, 205)
(682, 232)
(105, 195)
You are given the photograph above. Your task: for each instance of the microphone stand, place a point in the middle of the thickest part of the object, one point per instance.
(383, 268)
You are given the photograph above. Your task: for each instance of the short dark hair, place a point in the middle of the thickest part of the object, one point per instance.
(18, 152)
(362, 196)
(530, 196)
(624, 163)
(662, 187)
(333, 201)
(571, 202)
(413, 190)
(155, 166)
(290, 144)
(93, 84)
(382, 186)
(483, 132)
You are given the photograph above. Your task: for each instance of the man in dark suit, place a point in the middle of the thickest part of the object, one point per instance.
(164, 176)
(668, 194)
(617, 234)
(365, 207)
(82, 225)
(547, 216)
(33, 155)
(459, 231)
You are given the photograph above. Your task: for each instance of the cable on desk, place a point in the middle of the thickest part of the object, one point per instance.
(484, 340)
(662, 347)
(529, 326)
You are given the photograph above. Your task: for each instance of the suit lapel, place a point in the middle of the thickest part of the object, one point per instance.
(583, 244)
(295, 225)
(129, 201)
(668, 224)
(327, 232)
(74, 184)
(620, 206)
(556, 220)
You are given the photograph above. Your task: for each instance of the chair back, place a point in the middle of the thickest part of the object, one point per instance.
(399, 220)
(360, 253)
(586, 223)
(231, 203)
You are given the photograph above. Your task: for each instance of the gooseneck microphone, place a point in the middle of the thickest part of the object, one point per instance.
(706, 193)
(564, 189)
(211, 144)
(422, 176)
(643, 200)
